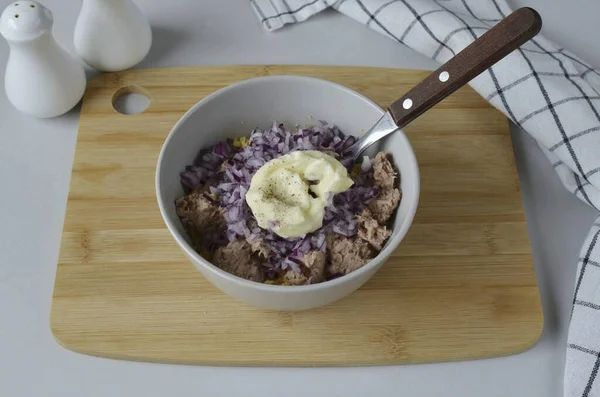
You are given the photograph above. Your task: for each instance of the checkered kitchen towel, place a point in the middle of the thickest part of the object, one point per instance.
(547, 91)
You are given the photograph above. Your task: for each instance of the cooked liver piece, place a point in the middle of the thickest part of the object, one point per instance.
(370, 231)
(347, 254)
(312, 274)
(293, 277)
(238, 259)
(383, 171)
(203, 221)
(260, 248)
(383, 206)
(388, 198)
(196, 211)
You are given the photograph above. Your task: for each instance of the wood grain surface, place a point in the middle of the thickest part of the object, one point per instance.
(460, 286)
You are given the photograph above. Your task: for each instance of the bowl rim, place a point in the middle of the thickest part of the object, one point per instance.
(391, 245)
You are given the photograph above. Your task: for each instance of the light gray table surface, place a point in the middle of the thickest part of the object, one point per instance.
(35, 163)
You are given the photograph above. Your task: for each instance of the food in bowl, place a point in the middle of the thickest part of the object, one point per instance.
(288, 207)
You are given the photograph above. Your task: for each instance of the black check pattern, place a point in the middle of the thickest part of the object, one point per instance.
(546, 90)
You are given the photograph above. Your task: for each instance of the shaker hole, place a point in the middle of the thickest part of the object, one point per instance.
(131, 100)
(32, 6)
(16, 15)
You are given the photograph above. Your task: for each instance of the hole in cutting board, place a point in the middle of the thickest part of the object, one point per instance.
(131, 100)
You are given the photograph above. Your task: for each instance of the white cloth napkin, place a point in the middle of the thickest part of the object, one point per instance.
(546, 90)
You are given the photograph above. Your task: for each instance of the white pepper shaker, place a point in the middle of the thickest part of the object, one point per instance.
(42, 79)
(112, 35)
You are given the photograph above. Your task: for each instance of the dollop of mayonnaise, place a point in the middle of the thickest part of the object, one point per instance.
(280, 192)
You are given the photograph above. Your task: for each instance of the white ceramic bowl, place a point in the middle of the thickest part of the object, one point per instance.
(233, 112)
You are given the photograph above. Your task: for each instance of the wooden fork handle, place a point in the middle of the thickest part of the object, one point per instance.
(505, 37)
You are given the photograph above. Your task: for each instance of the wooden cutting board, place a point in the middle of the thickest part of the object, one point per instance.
(460, 286)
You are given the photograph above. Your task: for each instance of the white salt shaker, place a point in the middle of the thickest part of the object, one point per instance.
(42, 79)
(112, 35)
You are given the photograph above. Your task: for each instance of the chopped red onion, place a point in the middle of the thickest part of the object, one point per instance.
(222, 149)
